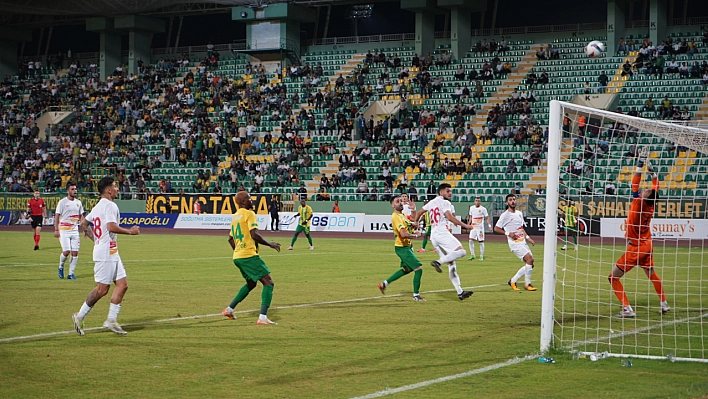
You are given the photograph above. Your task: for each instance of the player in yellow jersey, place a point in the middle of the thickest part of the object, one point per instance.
(403, 229)
(304, 213)
(244, 240)
(570, 218)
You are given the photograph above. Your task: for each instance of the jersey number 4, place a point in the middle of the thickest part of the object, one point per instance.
(238, 234)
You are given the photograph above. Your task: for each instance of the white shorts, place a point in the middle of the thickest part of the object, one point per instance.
(477, 234)
(70, 242)
(520, 249)
(108, 271)
(445, 242)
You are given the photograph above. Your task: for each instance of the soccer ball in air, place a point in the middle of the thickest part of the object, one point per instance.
(594, 48)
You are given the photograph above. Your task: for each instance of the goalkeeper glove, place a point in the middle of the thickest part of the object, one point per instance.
(650, 169)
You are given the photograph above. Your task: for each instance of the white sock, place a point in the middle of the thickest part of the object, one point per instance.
(529, 270)
(481, 249)
(62, 260)
(454, 277)
(519, 274)
(113, 311)
(471, 247)
(452, 256)
(85, 309)
(72, 264)
(230, 309)
(262, 317)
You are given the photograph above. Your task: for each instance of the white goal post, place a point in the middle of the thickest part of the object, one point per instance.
(593, 156)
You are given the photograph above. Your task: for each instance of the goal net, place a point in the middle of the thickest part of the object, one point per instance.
(593, 156)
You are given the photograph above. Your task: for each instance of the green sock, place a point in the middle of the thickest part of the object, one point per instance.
(309, 239)
(266, 298)
(575, 239)
(395, 276)
(416, 281)
(425, 241)
(242, 294)
(294, 239)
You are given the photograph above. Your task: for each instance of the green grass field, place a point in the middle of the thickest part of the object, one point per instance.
(337, 336)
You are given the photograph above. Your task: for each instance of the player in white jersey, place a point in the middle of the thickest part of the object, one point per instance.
(448, 247)
(408, 208)
(108, 268)
(476, 214)
(68, 216)
(511, 224)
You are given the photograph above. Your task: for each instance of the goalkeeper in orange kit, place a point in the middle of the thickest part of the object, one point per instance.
(639, 243)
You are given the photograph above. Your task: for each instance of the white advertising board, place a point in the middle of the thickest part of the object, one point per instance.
(683, 229)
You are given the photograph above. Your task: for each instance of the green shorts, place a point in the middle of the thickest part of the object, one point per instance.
(302, 229)
(252, 268)
(408, 259)
(427, 231)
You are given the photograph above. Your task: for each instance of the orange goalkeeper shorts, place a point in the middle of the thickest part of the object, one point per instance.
(637, 255)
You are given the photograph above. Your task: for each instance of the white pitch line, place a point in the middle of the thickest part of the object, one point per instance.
(422, 384)
(518, 360)
(301, 305)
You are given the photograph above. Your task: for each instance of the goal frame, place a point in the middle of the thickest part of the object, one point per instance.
(691, 137)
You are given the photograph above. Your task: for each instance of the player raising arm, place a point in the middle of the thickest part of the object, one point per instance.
(447, 246)
(511, 224)
(639, 243)
(108, 268)
(403, 231)
(244, 239)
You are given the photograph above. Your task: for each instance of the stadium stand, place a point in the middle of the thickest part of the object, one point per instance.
(221, 124)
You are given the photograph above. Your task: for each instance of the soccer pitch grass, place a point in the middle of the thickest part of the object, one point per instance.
(337, 336)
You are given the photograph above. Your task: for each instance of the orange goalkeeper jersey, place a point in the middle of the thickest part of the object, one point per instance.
(640, 212)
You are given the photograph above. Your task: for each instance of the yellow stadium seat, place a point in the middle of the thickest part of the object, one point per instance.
(654, 154)
(621, 177)
(678, 178)
(409, 170)
(680, 162)
(673, 185)
(416, 170)
(682, 154)
(458, 177)
(669, 177)
(663, 185)
(673, 169)
(626, 169)
(692, 154)
(691, 185)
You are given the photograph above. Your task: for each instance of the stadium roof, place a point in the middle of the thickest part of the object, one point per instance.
(123, 7)
(44, 13)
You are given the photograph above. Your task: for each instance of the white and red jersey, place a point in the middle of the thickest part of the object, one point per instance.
(513, 222)
(105, 244)
(437, 209)
(477, 216)
(408, 209)
(69, 213)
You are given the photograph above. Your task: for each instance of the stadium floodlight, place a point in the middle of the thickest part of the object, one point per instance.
(359, 11)
(593, 162)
